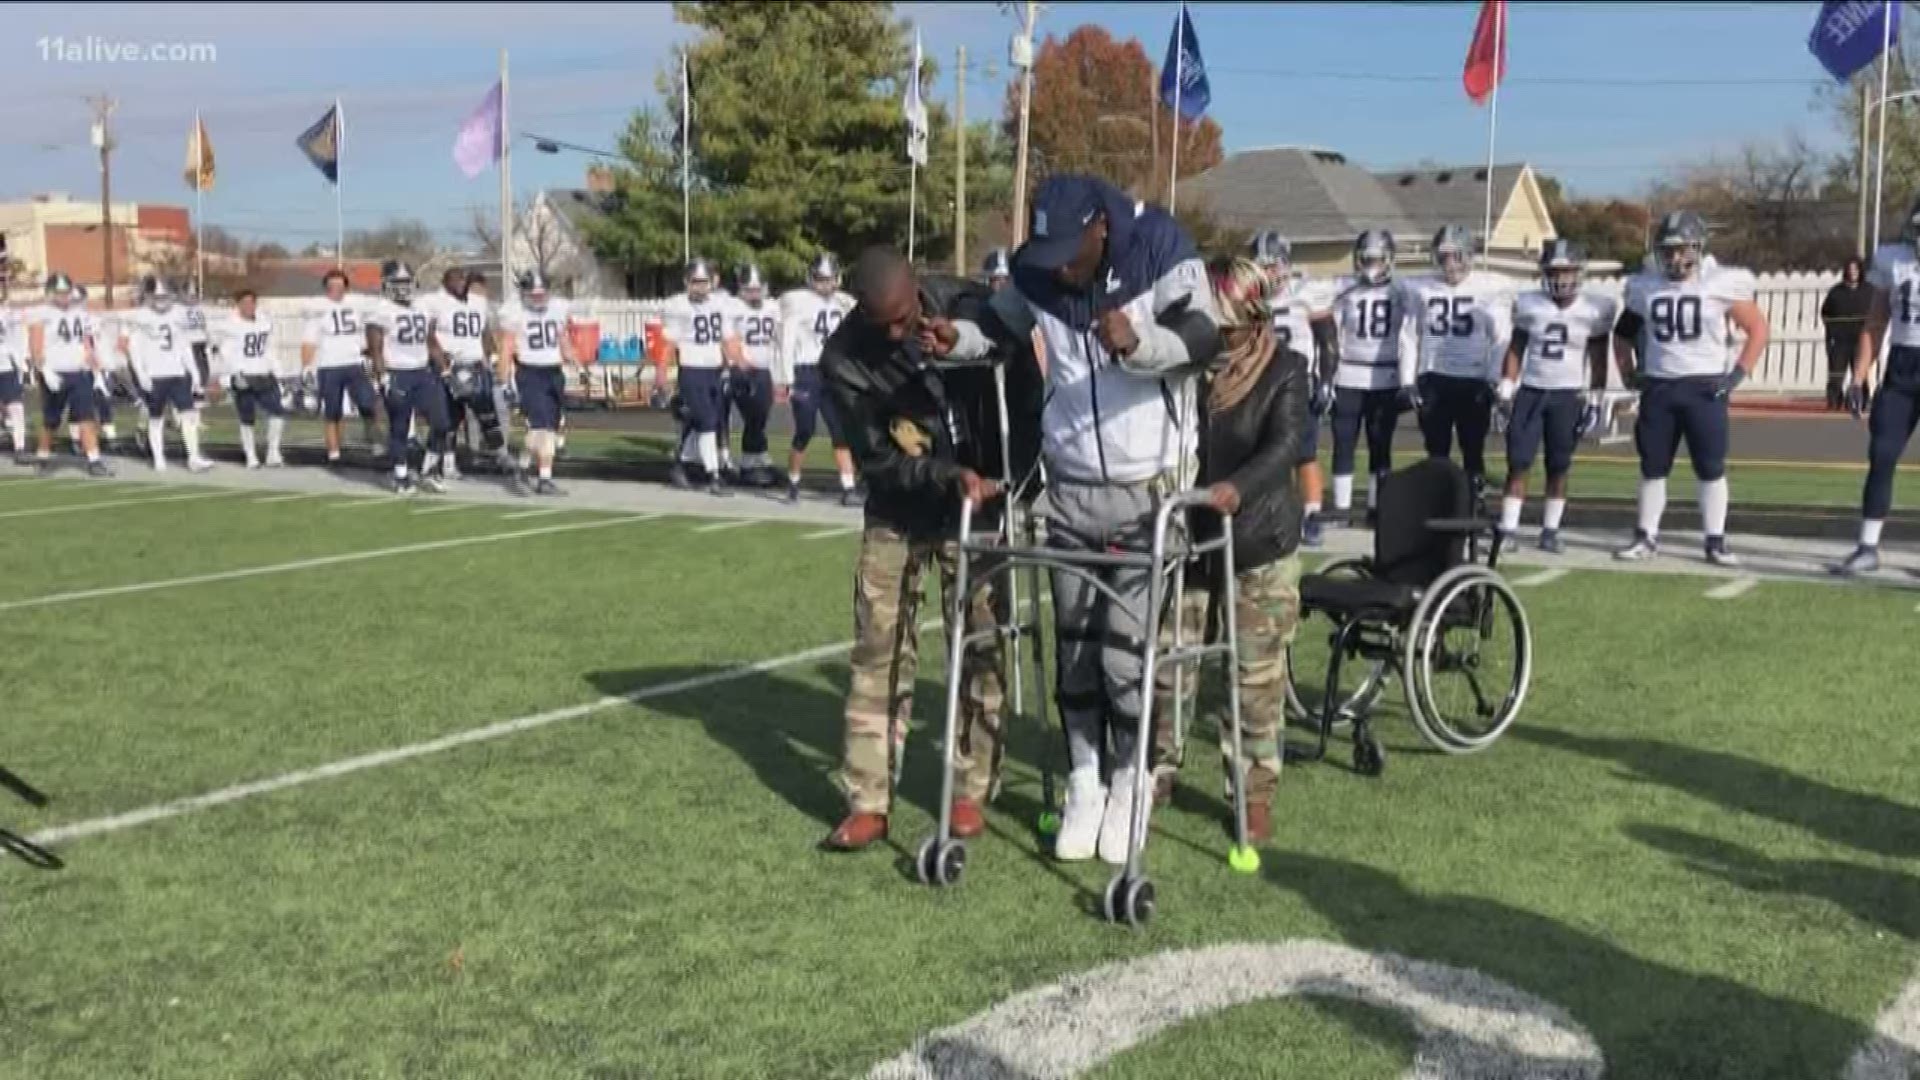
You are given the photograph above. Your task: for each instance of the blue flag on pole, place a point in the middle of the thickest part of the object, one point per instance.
(1849, 33)
(321, 144)
(1184, 64)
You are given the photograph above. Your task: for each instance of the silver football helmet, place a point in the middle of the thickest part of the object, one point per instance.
(1453, 253)
(1373, 253)
(1562, 265)
(1681, 243)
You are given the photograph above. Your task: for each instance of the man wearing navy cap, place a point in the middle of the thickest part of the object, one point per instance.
(1119, 298)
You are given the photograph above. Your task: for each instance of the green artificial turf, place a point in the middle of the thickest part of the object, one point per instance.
(1700, 841)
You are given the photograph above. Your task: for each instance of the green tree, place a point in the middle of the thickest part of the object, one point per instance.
(799, 144)
(1609, 229)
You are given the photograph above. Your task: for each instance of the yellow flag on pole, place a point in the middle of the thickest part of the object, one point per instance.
(199, 170)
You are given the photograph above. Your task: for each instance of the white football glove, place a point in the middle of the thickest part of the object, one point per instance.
(50, 379)
(1505, 391)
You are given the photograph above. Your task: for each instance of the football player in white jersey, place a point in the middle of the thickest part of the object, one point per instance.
(998, 269)
(111, 364)
(241, 343)
(154, 340)
(13, 375)
(1551, 378)
(1894, 317)
(1303, 322)
(696, 324)
(1459, 323)
(812, 315)
(397, 335)
(196, 316)
(332, 356)
(60, 347)
(459, 345)
(1369, 313)
(752, 345)
(1673, 340)
(535, 341)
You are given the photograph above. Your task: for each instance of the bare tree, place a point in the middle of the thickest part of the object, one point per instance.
(1769, 206)
(538, 234)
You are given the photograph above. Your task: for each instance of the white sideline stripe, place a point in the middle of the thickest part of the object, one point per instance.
(395, 755)
(1544, 577)
(448, 508)
(110, 504)
(722, 526)
(548, 512)
(366, 500)
(1737, 587)
(825, 533)
(291, 498)
(23, 481)
(310, 564)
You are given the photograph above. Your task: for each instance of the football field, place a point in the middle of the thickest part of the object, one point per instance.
(349, 786)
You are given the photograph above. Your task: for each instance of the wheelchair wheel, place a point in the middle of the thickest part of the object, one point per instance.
(1362, 680)
(1468, 660)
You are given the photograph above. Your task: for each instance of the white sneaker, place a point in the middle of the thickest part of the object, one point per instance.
(1643, 548)
(159, 466)
(1080, 819)
(199, 465)
(449, 469)
(1115, 824)
(275, 461)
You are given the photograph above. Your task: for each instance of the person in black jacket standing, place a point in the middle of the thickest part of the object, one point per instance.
(1843, 313)
(923, 437)
(1253, 412)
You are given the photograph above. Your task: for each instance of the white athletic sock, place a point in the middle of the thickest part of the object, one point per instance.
(1653, 505)
(1714, 497)
(190, 432)
(276, 426)
(1311, 508)
(709, 444)
(1556, 509)
(846, 481)
(429, 462)
(1343, 492)
(157, 440)
(1870, 533)
(793, 478)
(1510, 514)
(107, 432)
(400, 467)
(246, 445)
(17, 426)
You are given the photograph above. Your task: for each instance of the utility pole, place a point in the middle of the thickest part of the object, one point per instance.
(1021, 55)
(960, 163)
(1860, 226)
(103, 107)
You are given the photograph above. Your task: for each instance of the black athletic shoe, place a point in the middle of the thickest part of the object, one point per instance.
(793, 493)
(851, 497)
(678, 478)
(718, 488)
(99, 470)
(546, 486)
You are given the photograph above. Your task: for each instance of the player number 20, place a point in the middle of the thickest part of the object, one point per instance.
(543, 334)
(1675, 318)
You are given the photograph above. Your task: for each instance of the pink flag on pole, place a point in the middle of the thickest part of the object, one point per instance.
(478, 144)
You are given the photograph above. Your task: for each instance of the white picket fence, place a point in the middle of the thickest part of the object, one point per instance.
(1795, 362)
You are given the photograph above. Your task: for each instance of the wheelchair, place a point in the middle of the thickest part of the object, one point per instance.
(1423, 606)
(17, 845)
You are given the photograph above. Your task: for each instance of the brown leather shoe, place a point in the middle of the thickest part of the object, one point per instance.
(1259, 822)
(857, 831)
(968, 821)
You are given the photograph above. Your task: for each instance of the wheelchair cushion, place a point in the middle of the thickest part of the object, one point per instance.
(1358, 598)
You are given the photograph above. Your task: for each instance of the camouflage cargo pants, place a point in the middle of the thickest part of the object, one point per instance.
(885, 661)
(1267, 612)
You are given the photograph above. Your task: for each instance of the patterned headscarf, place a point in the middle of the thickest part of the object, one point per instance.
(1240, 298)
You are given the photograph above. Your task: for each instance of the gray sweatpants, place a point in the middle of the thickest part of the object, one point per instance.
(1098, 643)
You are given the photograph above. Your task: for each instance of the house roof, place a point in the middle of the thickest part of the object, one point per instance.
(577, 205)
(1312, 194)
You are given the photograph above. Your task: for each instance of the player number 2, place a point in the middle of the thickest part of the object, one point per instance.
(1553, 342)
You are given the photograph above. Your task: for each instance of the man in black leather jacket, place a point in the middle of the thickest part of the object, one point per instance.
(924, 436)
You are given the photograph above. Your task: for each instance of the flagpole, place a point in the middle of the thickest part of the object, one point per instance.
(1179, 77)
(199, 206)
(1880, 155)
(686, 152)
(506, 190)
(913, 135)
(339, 182)
(1493, 125)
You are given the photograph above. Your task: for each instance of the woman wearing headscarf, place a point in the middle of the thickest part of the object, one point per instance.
(1843, 313)
(1253, 411)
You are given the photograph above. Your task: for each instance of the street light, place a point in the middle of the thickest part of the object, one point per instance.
(554, 146)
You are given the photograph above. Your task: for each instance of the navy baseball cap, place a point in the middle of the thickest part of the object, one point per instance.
(1062, 209)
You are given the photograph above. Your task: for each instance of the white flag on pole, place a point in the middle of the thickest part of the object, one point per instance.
(916, 111)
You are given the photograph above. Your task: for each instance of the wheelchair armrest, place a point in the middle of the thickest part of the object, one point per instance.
(1460, 526)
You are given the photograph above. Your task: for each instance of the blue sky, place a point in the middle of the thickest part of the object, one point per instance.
(1604, 95)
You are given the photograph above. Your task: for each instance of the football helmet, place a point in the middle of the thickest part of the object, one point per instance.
(396, 281)
(80, 295)
(699, 278)
(1453, 253)
(1680, 242)
(59, 289)
(751, 283)
(997, 267)
(1562, 265)
(1373, 257)
(824, 273)
(1271, 252)
(190, 290)
(156, 293)
(533, 289)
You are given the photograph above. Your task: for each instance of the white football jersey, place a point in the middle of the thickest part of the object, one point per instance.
(539, 333)
(1896, 272)
(13, 340)
(1558, 337)
(196, 324)
(1294, 307)
(1462, 329)
(65, 336)
(338, 330)
(697, 327)
(244, 344)
(810, 319)
(404, 327)
(157, 342)
(1368, 318)
(1684, 331)
(461, 325)
(758, 328)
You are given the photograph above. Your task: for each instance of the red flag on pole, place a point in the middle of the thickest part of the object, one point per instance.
(1487, 55)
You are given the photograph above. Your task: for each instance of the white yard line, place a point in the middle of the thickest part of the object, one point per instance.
(395, 755)
(723, 526)
(23, 481)
(311, 564)
(292, 498)
(824, 534)
(1544, 577)
(1739, 586)
(366, 500)
(112, 504)
(547, 512)
(448, 508)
